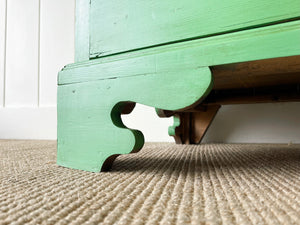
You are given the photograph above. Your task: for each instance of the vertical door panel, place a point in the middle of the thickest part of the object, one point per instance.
(22, 53)
(56, 44)
(2, 48)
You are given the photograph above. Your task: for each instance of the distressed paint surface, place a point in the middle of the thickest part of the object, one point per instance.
(268, 42)
(176, 123)
(89, 124)
(82, 51)
(186, 37)
(91, 94)
(119, 26)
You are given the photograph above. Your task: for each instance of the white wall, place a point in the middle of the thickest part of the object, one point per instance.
(37, 40)
(254, 123)
(257, 123)
(144, 118)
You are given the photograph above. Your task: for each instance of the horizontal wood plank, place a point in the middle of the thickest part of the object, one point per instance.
(268, 42)
(268, 72)
(28, 123)
(272, 94)
(118, 26)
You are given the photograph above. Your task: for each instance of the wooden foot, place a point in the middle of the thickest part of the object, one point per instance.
(91, 133)
(190, 127)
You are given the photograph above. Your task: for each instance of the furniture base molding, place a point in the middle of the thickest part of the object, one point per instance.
(180, 79)
(90, 130)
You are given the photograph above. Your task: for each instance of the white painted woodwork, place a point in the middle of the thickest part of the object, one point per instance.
(56, 45)
(2, 48)
(40, 41)
(22, 53)
(28, 123)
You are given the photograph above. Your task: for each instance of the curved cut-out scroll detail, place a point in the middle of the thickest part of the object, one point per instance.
(176, 123)
(90, 129)
(173, 130)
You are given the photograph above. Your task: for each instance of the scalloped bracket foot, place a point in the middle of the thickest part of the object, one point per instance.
(91, 133)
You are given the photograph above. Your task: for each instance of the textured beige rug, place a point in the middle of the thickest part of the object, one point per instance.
(162, 184)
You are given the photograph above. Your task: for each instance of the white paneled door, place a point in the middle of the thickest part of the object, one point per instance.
(36, 41)
(56, 45)
(22, 53)
(2, 49)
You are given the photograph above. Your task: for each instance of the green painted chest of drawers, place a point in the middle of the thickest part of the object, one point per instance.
(161, 54)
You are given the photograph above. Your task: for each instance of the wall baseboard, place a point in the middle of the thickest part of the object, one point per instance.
(28, 123)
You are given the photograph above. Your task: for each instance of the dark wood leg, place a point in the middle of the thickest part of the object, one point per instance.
(194, 124)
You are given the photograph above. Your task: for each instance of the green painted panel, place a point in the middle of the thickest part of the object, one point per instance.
(82, 35)
(176, 123)
(89, 124)
(118, 25)
(261, 43)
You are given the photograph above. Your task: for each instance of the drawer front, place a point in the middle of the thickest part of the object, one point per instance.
(124, 25)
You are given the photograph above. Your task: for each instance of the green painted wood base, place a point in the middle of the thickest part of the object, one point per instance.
(92, 94)
(90, 129)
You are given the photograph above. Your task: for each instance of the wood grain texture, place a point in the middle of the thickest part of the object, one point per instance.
(186, 38)
(261, 73)
(119, 26)
(82, 50)
(200, 122)
(92, 95)
(90, 129)
(2, 49)
(262, 43)
(266, 94)
(190, 127)
(22, 40)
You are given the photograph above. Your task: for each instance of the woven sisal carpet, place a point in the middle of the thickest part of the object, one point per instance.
(162, 184)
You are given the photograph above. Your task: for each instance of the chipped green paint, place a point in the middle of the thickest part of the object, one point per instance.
(82, 35)
(261, 43)
(119, 26)
(92, 93)
(89, 124)
(176, 123)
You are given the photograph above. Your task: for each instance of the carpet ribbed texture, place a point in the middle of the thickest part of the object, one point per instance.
(162, 184)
